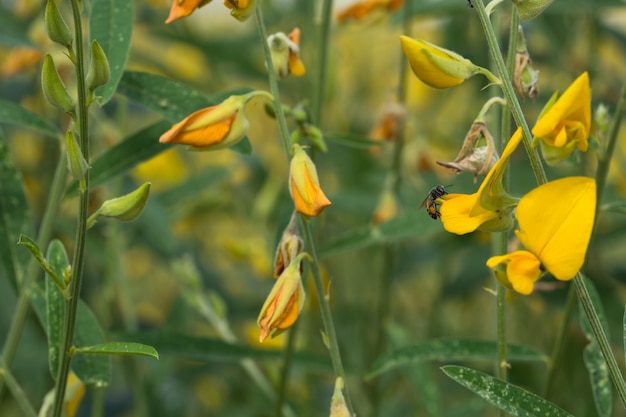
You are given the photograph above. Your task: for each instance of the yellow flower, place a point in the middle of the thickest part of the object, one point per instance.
(304, 186)
(489, 208)
(296, 66)
(215, 127)
(74, 394)
(439, 67)
(183, 8)
(564, 124)
(284, 303)
(240, 9)
(555, 220)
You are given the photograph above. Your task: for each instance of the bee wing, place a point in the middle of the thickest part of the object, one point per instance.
(423, 205)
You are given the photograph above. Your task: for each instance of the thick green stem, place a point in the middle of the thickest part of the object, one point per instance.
(509, 92)
(71, 305)
(33, 270)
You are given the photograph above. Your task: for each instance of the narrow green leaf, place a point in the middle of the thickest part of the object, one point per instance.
(453, 350)
(15, 218)
(189, 189)
(212, 350)
(170, 99)
(32, 246)
(55, 304)
(508, 397)
(91, 369)
(11, 113)
(614, 207)
(119, 348)
(354, 141)
(599, 377)
(111, 24)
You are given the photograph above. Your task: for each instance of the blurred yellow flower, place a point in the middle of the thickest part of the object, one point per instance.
(439, 67)
(74, 394)
(489, 208)
(296, 66)
(555, 220)
(183, 8)
(284, 303)
(564, 124)
(304, 186)
(360, 10)
(285, 53)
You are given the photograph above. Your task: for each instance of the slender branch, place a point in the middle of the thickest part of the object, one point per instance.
(71, 305)
(17, 391)
(321, 61)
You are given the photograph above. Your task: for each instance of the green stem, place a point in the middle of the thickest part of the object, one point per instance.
(327, 318)
(17, 391)
(284, 372)
(71, 305)
(323, 35)
(509, 92)
(559, 343)
(601, 339)
(33, 270)
(333, 345)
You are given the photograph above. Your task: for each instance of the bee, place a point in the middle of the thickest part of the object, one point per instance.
(470, 4)
(430, 202)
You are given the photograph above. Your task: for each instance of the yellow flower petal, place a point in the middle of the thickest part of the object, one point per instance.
(556, 220)
(455, 214)
(569, 115)
(522, 269)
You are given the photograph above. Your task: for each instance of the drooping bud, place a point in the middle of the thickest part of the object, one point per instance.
(525, 77)
(125, 208)
(289, 247)
(338, 406)
(53, 88)
(241, 9)
(57, 29)
(529, 9)
(76, 162)
(99, 71)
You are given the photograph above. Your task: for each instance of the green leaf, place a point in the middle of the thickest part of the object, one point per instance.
(508, 397)
(55, 304)
(170, 99)
(453, 350)
(91, 369)
(15, 218)
(11, 113)
(119, 348)
(126, 155)
(190, 188)
(592, 356)
(614, 207)
(111, 24)
(212, 350)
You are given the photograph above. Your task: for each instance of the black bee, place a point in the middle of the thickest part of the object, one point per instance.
(470, 3)
(430, 202)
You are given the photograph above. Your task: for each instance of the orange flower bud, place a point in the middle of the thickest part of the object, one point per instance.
(241, 9)
(304, 186)
(284, 303)
(211, 128)
(285, 53)
(183, 8)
